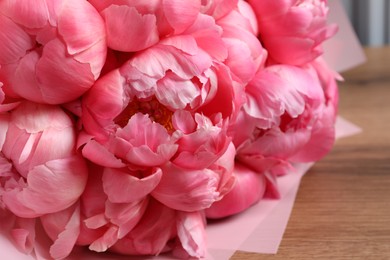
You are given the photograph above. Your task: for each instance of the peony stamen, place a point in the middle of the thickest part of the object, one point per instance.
(156, 111)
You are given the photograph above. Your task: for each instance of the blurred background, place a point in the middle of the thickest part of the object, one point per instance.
(370, 19)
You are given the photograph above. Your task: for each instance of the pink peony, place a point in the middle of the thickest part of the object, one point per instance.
(292, 31)
(52, 51)
(38, 161)
(286, 119)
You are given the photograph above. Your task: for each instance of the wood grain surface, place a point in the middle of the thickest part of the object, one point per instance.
(342, 210)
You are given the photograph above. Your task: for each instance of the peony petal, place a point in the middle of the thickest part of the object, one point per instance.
(126, 215)
(175, 93)
(106, 241)
(99, 154)
(24, 234)
(128, 30)
(65, 228)
(121, 187)
(14, 41)
(247, 190)
(186, 190)
(80, 38)
(181, 14)
(51, 187)
(102, 103)
(151, 234)
(191, 232)
(61, 78)
(26, 13)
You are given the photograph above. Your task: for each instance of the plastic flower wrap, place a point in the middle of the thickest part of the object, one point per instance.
(126, 125)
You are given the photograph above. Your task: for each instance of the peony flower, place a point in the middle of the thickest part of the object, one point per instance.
(246, 55)
(52, 51)
(39, 161)
(285, 120)
(292, 31)
(295, 102)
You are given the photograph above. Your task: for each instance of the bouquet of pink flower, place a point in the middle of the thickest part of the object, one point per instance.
(125, 124)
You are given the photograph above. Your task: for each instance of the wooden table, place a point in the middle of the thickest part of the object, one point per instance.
(342, 210)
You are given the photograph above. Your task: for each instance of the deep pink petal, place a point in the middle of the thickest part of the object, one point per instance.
(14, 41)
(80, 38)
(64, 228)
(61, 77)
(128, 30)
(99, 154)
(247, 190)
(181, 14)
(150, 236)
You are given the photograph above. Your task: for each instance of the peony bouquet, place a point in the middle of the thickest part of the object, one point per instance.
(125, 125)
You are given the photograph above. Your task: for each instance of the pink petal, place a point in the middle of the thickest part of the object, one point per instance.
(102, 103)
(27, 13)
(106, 241)
(125, 215)
(181, 14)
(51, 187)
(66, 227)
(182, 120)
(128, 30)
(121, 187)
(14, 41)
(187, 190)
(247, 190)
(61, 77)
(80, 38)
(99, 154)
(175, 92)
(152, 233)
(191, 232)
(24, 235)
(148, 142)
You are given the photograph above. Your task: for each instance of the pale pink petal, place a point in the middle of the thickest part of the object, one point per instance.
(121, 187)
(62, 187)
(149, 143)
(191, 232)
(175, 92)
(186, 190)
(109, 238)
(4, 123)
(125, 216)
